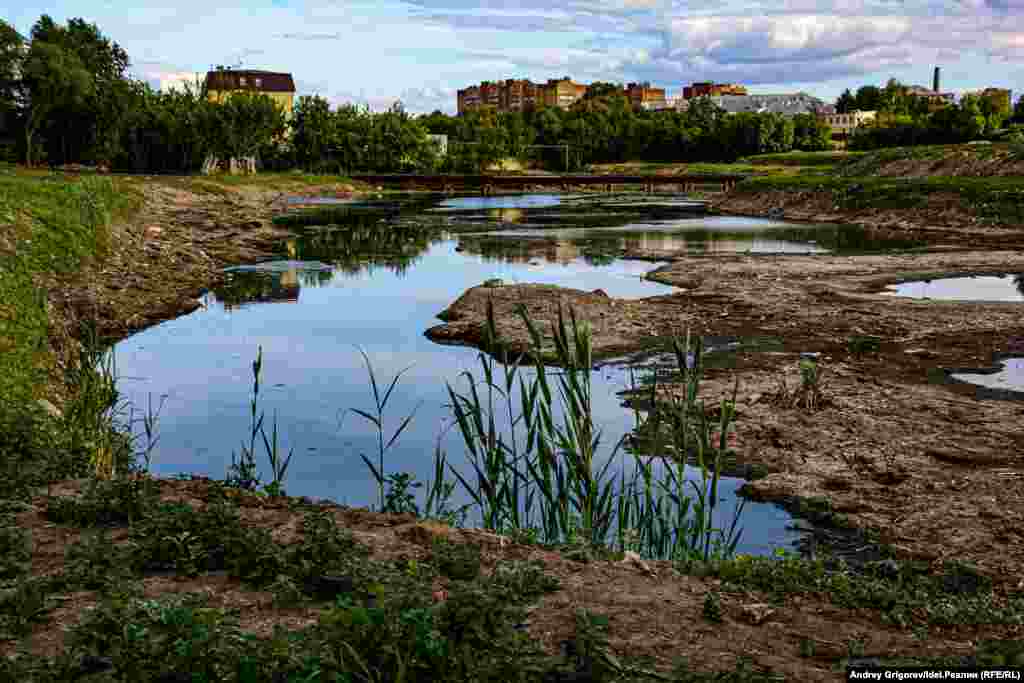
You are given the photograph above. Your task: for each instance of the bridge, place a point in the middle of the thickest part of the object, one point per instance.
(488, 183)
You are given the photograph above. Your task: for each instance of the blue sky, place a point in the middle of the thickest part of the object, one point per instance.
(422, 51)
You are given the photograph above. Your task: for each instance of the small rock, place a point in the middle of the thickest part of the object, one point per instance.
(756, 613)
(754, 398)
(601, 292)
(633, 559)
(49, 408)
(153, 231)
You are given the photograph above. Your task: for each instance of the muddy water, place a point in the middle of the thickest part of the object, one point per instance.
(375, 281)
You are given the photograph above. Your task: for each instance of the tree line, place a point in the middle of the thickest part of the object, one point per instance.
(906, 119)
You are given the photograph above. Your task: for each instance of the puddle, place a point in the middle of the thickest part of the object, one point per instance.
(1007, 377)
(979, 288)
(375, 280)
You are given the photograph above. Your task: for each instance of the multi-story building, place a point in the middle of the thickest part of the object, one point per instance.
(562, 92)
(520, 94)
(643, 96)
(277, 86)
(936, 100)
(786, 104)
(843, 125)
(708, 89)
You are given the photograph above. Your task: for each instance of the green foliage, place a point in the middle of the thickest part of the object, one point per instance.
(958, 595)
(376, 418)
(15, 549)
(458, 561)
(712, 609)
(242, 472)
(119, 501)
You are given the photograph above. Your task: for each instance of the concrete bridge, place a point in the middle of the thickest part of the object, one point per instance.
(488, 183)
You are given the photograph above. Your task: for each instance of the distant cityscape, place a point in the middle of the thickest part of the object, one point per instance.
(517, 95)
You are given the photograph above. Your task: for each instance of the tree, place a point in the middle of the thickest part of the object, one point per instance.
(313, 129)
(810, 133)
(1018, 111)
(12, 47)
(868, 98)
(92, 127)
(56, 79)
(846, 102)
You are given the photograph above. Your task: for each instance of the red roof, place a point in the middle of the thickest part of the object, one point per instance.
(249, 79)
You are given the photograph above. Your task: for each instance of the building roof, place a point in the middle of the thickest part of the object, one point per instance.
(232, 79)
(788, 104)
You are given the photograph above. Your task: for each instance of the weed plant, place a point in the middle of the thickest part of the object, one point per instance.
(243, 473)
(376, 418)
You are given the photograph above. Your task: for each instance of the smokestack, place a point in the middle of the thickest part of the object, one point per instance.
(935, 81)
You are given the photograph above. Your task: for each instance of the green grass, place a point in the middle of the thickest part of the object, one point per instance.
(828, 158)
(908, 597)
(50, 226)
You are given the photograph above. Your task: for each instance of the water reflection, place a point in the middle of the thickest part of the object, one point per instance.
(979, 288)
(375, 276)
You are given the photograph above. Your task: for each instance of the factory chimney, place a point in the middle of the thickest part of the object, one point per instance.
(935, 81)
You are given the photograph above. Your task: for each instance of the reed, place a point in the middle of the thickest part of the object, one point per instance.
(376, 418)
(541, 467)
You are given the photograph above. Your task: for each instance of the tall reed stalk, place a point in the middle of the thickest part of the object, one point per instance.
(556, 480)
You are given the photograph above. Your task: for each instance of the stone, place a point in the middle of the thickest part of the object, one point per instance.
(50, 409)
(756, 613)
(633, 559)
(601, 292)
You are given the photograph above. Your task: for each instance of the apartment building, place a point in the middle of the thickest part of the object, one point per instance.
(280, 87)
(708, 89)
(643, 96)
(519, 94)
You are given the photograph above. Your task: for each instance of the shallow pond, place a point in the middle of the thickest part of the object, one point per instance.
(1009, 377)
(978, 288)
(373, 282)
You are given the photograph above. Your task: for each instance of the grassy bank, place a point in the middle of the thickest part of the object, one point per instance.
(51, 227)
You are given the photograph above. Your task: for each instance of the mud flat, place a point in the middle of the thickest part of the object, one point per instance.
(936, 471)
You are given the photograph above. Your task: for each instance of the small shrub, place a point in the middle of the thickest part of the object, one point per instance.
(15, 549)
(118, 501)
(712, 607)
(456, 560)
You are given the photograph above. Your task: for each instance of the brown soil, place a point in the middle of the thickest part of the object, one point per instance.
(174, 247)
(654, 612)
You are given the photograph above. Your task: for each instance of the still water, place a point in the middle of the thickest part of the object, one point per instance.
(375, 280)
(978, 288)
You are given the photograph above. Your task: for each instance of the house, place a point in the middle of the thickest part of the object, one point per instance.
(279, 87)
(843, 125)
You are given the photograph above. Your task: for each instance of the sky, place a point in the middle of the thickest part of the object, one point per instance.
(422, 51)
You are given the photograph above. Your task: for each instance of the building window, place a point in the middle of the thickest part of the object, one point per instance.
(258, 82)
(241, 81)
